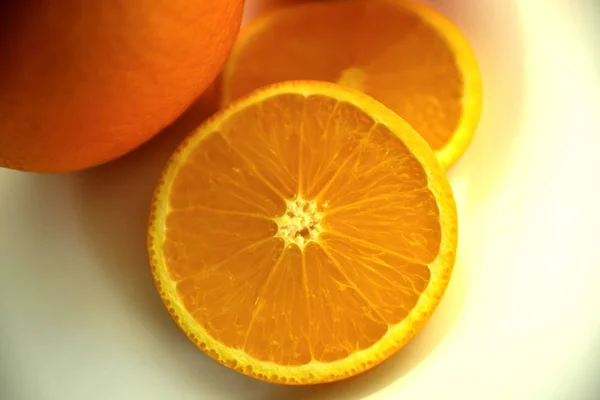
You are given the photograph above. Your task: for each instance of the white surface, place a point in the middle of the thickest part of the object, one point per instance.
(80, 318)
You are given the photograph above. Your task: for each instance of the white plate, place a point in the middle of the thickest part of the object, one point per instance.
(521, 320)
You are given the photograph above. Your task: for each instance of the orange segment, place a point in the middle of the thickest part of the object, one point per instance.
(279, 164)
(202, 290)
(406, 55)
(407, 226)
(302, 235)
(187, 250)
(393, 283)
(280, 308)
(226, 182)
(343, 322)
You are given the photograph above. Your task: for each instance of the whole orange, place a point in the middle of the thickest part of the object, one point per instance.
(84, 82)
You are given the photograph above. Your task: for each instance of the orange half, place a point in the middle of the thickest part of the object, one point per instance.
(302, 235)
(404, 54)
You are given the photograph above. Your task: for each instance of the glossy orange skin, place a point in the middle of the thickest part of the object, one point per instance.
(84, 82)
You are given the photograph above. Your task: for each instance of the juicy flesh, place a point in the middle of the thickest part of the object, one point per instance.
(356, 195)
(374, 46)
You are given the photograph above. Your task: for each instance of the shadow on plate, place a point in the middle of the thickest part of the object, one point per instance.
(114, 201)
(258, 7)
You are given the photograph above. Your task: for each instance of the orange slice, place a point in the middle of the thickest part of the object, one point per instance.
(303, 234)
(404, 54)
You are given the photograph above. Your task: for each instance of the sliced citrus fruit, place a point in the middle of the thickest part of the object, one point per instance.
(303, 234)
(404, 54)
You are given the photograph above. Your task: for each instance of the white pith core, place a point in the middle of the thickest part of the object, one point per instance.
(301, 222)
